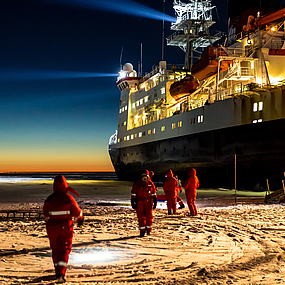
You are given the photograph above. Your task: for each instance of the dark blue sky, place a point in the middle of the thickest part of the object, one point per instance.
(64, 124)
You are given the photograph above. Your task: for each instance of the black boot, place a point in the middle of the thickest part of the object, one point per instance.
(142, 234)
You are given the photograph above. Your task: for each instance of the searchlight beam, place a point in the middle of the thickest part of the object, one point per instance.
(122, 7)
(32, 74)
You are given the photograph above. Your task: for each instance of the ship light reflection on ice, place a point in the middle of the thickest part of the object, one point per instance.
(97, 255)
(90, 256)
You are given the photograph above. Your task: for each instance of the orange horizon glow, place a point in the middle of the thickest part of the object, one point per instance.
(59, 159)
(28, 168)
(40, 171)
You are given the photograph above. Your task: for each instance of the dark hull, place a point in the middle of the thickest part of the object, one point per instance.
(260, 148)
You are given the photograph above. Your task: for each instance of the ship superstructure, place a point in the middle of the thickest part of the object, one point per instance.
(199, 115)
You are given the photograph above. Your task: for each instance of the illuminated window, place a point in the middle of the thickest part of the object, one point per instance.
(146, 99)
(128, 154)
(119, 140)
(128, 138)
(237, 88)
(132, 137)
(136, 135)
(125, 138)
(260, 106)
(179, 124)
(140, 134)
(254, 121)
(162, 128)
(200, 119)
(149, 132)
(120, 111)
(126, 108)
(133, 105)
(153, 131)
(125, 122)
(259, 120)
(162, 90)
(138, 103)
(255, 107)
(141, 101)
(173, 126)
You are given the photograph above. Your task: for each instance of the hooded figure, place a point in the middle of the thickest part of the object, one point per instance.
(170, 188)
(143, 200)
(191, 185)
(59, 209)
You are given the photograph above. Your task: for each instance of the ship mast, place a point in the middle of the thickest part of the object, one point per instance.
(192, 27)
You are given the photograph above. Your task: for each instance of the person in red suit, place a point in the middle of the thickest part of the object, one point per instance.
(170, 188)
(191, 185)
(143, 200)
(163, 196)
(59, 209)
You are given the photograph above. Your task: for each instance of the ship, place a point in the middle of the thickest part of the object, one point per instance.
(223, 114)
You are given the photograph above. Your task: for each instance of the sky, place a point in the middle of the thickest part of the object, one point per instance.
(59, 59)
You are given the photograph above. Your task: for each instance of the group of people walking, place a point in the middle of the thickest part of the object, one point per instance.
(60, 209)
(144, 198)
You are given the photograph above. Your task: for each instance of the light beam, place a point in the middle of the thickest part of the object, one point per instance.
(122, 7)
(34, 74)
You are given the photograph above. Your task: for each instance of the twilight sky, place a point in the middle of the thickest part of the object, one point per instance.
(58, 63)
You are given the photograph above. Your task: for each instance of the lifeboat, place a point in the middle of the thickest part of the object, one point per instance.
(208, 65)
(184, 87)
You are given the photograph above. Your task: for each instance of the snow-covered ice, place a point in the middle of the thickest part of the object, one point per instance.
(224, 244)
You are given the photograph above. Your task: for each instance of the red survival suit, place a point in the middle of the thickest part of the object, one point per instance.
(59, 208)
(170, 188)
(144, 194)
(191, 185)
